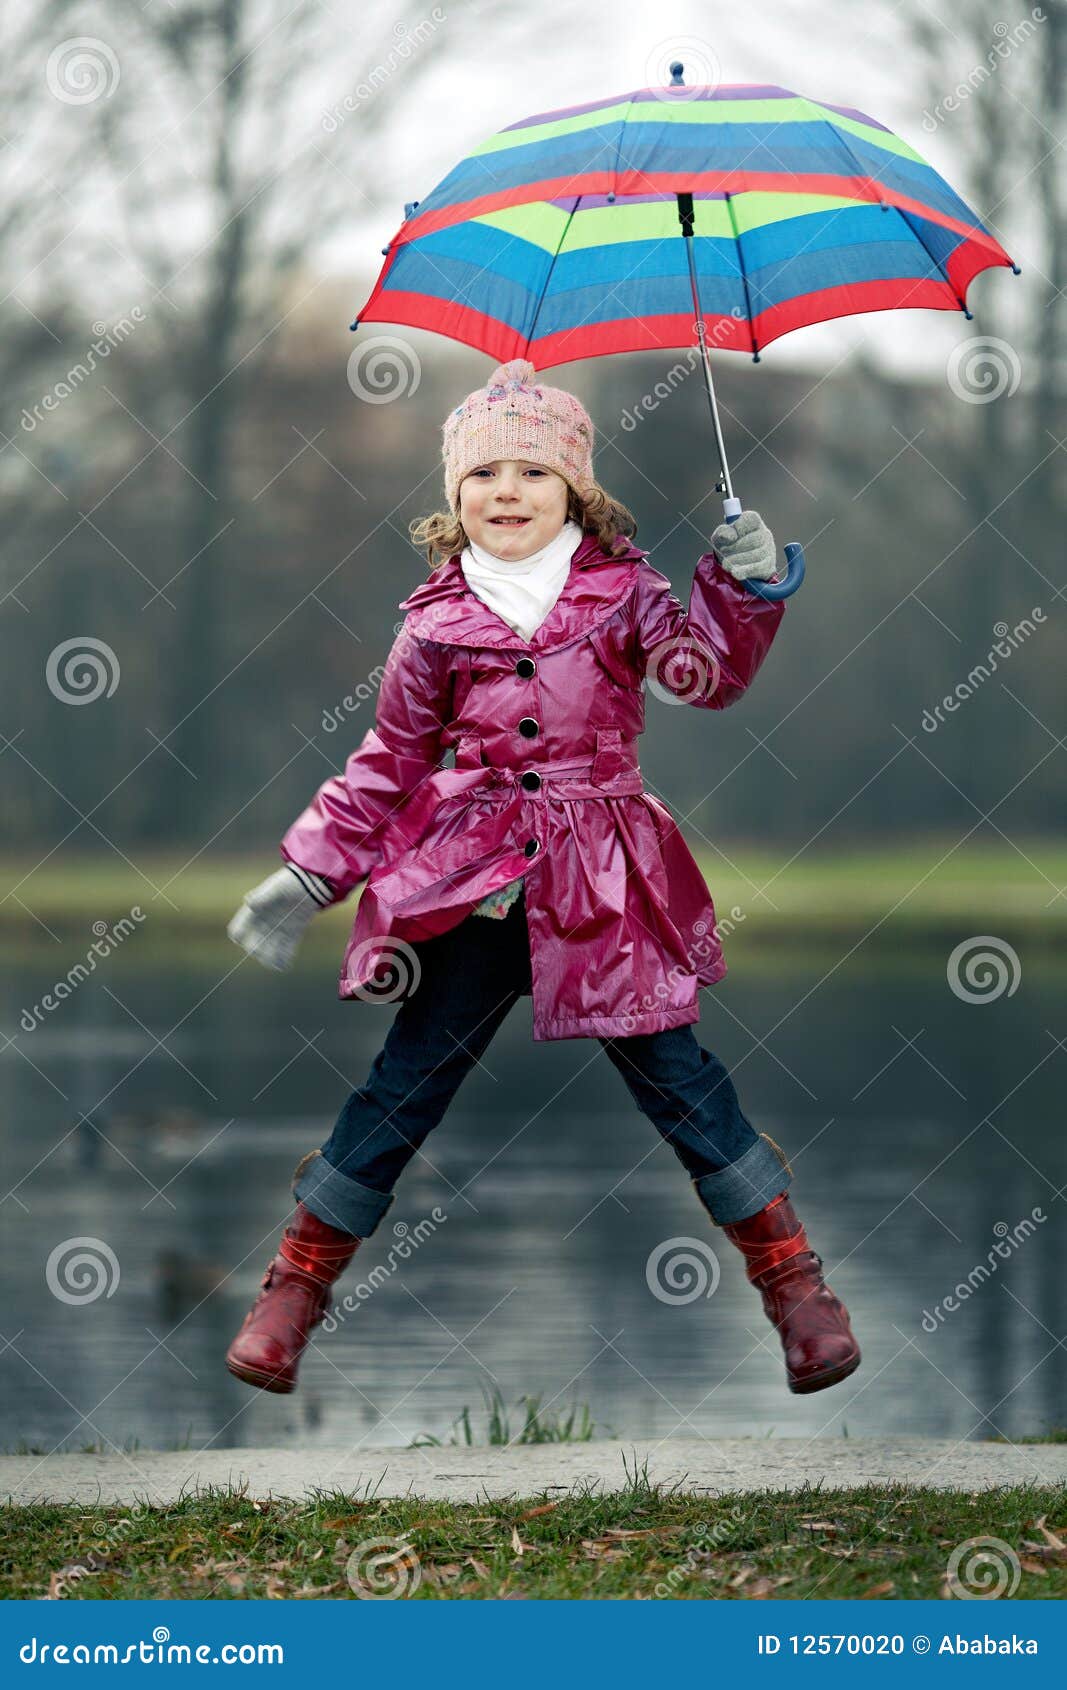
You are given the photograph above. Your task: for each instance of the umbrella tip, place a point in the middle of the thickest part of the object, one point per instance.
(1015, 270)
(354, 325)
(755, 357)
(968, 314)
(677, 80)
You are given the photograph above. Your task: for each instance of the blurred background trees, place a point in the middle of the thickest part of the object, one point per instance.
(196, 477)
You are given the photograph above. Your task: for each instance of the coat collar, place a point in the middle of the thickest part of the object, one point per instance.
(445, 610)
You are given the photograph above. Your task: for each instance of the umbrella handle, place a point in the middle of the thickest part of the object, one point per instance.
(794, 557)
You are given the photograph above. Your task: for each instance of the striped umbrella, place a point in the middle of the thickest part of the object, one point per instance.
(559, 237)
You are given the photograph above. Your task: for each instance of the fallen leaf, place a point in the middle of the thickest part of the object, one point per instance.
(1050, 1537)
(760, 1589)
(882, 1589)
(479, 1567)
(1030, 1566)
(516, 1542)
(545, 1508)
(449, 1570)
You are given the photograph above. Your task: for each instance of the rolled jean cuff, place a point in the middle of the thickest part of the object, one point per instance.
(746, 1186)
(340, 1201)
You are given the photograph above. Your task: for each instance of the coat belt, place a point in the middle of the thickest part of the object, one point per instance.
(613, 771)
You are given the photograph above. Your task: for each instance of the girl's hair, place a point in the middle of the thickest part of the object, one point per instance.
(595, 511)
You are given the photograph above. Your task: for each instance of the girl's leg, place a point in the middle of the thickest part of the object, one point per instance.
(470, 978)
(743, 1182)
(689, 1096)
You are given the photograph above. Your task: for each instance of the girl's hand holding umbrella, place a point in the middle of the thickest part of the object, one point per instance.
(274, 916)
(745, 547)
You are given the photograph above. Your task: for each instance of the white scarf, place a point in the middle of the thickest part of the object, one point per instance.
(522, 593)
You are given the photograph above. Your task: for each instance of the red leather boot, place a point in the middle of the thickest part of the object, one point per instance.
(267, 1350)
(820, 1349)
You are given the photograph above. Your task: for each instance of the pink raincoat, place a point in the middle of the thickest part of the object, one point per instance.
(546, 784)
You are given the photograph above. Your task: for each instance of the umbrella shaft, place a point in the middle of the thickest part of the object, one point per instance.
(706, 361)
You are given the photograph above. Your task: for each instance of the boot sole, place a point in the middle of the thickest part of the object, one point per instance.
(265, 1381)
(821, 1381)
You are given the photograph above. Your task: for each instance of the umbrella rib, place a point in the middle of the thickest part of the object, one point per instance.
(744, 276)
(566, 226)
(548, 272)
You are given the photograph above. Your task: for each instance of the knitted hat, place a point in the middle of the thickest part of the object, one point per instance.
(512, 417)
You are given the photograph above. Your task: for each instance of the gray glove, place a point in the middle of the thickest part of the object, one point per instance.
(746, 547)
(273, 917)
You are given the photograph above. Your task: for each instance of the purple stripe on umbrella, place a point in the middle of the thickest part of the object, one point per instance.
(859, 116)
(724, 91)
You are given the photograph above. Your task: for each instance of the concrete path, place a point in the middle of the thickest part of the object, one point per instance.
(708, 1466)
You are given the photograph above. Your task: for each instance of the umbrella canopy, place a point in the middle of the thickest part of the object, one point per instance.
(558, 238)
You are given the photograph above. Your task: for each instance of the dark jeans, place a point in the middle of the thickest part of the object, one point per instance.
(471, 977)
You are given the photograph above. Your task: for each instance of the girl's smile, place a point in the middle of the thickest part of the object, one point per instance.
(513, 508)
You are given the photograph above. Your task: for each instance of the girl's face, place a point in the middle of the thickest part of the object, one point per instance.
(493, 495)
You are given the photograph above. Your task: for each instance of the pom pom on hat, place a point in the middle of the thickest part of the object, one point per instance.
(516, 372)
(514, 416)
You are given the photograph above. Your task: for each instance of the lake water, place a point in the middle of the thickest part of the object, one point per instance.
(922, 1129)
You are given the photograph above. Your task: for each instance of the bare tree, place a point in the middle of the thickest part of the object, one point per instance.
(199, 155)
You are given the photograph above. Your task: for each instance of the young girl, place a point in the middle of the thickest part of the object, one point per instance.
(536, 865)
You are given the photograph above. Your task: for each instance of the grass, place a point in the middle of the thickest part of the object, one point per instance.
(824, 891)
(99, 1446)
(637, 1543)
(577, 1427)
